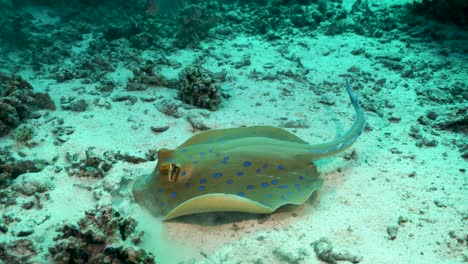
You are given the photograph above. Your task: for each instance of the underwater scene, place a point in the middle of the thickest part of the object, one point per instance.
(234, 131)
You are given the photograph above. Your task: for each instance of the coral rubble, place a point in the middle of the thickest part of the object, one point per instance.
(201, 88)
(102, 236)
(18, 101)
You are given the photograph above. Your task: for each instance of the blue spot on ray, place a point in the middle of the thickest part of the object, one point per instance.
(265, 166)
(258, 170)
(183, 173)
(202, 153)
(160, 190)
(269, 195)
(247, 163)
(264, 184)
(241, 194)
(280, 167)
(301, 177)
(201, 188)
(202, 181)
(187, 185)
(274, 182)
(173, 194)
(240, 173)
(283, 186)
(250, 187)
(217, 175)
(229, 181)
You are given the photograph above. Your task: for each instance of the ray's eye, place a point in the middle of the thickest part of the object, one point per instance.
(171, 170)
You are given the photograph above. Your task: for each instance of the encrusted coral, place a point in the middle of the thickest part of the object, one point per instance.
(15, 29)
(23, 133)
(102, 236)
(444, 10)
(201, 88)
(10, 168)
(19, 251)
(194, 23)
(17, 101)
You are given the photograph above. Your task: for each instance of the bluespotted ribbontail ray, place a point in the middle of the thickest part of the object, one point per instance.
(249, 169)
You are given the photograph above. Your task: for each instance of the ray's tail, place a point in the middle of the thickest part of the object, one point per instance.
(343, 142)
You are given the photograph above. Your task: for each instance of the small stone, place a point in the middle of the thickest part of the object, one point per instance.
(78, 105)
(432, 115)
(402, 220)
(25, 233)
(324, 250)
(328, 99)
(159, 129)
(440, 203)
(23, 228)
(287, 257)
(392, 232)
(357, 51)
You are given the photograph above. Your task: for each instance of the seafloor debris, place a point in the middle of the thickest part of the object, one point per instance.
(102, 236)
(198, 121)
(17, 101)
(145, 76)
(60, 131)
(324, 250)
(170, 108)
(73, 104)
(201, 88)
(128, 99)
(451, 118)
(288, 257)
(97, 165)
(91, 165)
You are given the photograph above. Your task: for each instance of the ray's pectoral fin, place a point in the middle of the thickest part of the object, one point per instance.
(217, 202)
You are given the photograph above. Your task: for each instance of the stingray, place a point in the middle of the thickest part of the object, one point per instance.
(248, 169)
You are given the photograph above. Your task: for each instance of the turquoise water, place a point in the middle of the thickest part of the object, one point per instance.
(225, 132)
